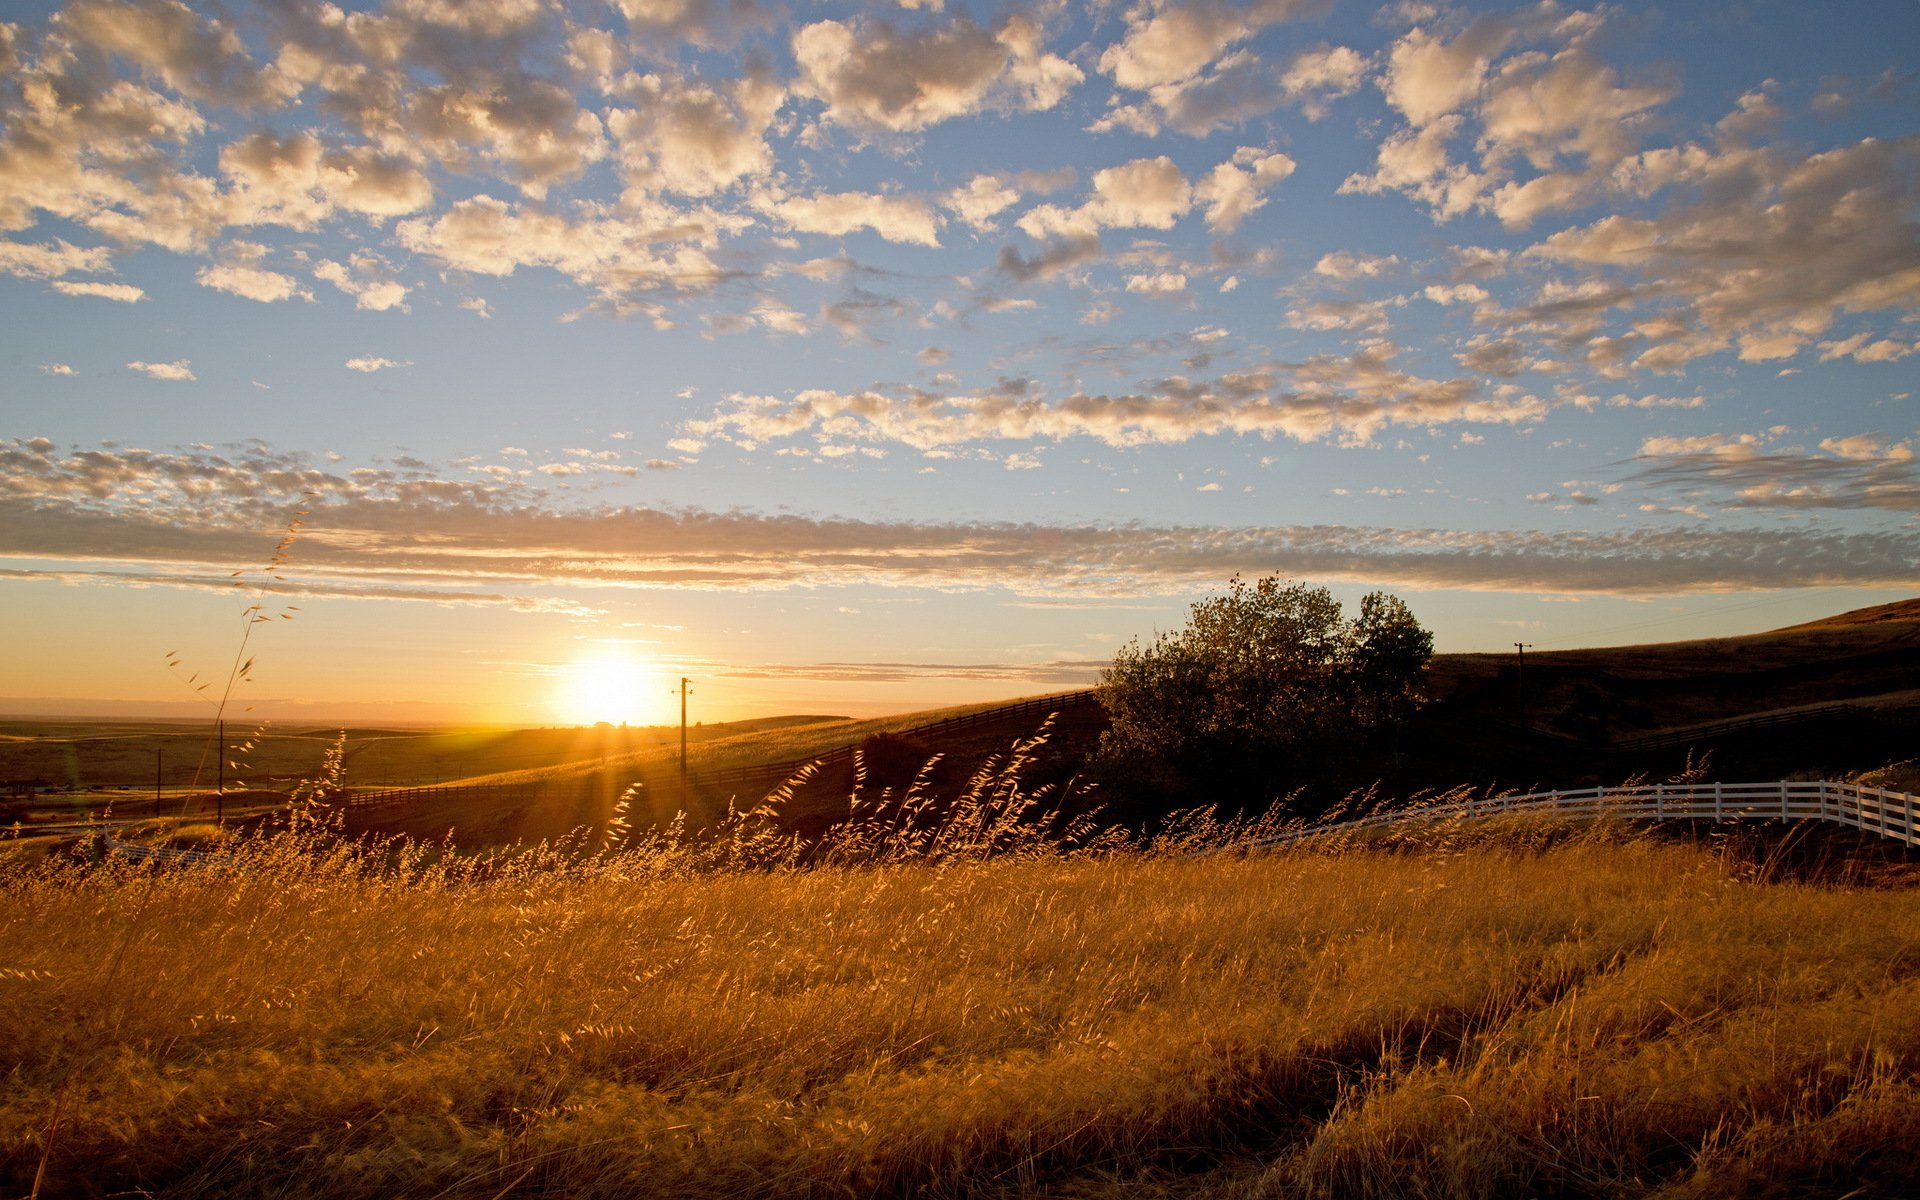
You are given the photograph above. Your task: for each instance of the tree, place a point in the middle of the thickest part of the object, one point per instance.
(1264, 690)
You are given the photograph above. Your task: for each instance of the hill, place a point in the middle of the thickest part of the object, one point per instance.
(1565, 718)
(1572, 718)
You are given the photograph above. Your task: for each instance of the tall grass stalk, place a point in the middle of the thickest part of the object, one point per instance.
(923, 1008)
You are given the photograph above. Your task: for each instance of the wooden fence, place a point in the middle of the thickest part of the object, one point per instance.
(1877, 810)
(366, 799)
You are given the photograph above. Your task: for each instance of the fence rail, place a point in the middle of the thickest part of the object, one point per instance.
(1684, 737)
(1890, 814)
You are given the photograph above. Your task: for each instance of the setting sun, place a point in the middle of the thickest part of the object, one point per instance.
(616, 688)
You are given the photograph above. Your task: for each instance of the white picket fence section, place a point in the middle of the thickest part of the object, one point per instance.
(160, 854)
(1890, 814)
(1877, 810)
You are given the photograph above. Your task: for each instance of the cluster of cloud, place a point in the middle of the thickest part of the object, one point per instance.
(464, 142)
(1348, 399)
(182, 512)
(1755, 470)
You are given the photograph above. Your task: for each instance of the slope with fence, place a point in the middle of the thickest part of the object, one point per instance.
(1890, 814)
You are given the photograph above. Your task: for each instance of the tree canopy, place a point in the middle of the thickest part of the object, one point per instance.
(1260, 691)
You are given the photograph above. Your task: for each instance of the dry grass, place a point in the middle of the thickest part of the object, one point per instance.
(967, 1012)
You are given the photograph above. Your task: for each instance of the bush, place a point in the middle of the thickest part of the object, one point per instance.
(893, 760)
(1267, 689)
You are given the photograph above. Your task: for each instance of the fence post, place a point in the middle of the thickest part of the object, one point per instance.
(1719, 805)
(1659, 801)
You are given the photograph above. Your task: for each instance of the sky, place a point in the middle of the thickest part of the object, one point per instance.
(864, 358)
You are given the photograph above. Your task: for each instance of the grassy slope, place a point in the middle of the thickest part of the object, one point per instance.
(1510, 1016)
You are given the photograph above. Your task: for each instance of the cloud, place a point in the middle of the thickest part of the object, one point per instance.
(200, 58)
(1344, 399)
(368, 365)
(180, 371)
(529, 131)
(1864, 347)
(299, 181)
(1553, 127)
(1167, 42)
(617, 257)
(1146, 193)
(197, 513)
(252, 283)
(1861, 472)
(703, 22)
(1160, 283)
(56, 368)
(905, 219)
(368, 280)
(1768, 252)
(1345, 265)
(872, 77)
(124, 293)
(982, 199)
(693, 139)
(1317, 77)
(1234, 189)
(50, 260)
(1236, 88)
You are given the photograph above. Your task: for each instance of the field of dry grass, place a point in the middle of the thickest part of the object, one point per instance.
(1519, 1012)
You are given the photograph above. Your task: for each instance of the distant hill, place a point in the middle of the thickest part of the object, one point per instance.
(1899, 610)
(1558, 726)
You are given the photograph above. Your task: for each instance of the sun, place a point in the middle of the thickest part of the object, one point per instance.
(617, 688)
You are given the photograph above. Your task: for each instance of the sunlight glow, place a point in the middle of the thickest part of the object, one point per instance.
(612, 687)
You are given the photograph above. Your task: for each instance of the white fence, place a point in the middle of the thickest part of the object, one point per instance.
(1891, 814)
(159, 854)
(1877, 810)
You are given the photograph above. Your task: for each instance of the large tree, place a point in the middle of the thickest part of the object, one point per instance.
(1265, 689)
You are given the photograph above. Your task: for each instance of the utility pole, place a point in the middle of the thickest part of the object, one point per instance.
(683, 732)
(1520, 678)
(220, 791)
(157, 752)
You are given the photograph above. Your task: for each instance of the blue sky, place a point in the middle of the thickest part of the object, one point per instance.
(866, 357)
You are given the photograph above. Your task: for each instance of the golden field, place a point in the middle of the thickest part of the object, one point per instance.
(1520, 1011)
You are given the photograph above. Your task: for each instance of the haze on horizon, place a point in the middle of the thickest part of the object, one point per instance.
(880, 357)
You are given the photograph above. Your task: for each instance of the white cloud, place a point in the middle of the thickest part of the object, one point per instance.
(51, 260)
(124, 293)
(165, 514)
(1344, 399)
(1344, 265)
(179, 371)
(873, 77)
(1235, 188)
(1160, 283)
(251, 283)
(367, 280)
(692, 139)
(1169, 42)
(1317, 77)
(982, 199)
(368, 365)
(906, 219)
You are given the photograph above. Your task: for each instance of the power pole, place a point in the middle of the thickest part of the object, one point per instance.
(1520, 679)
(220, 791)
(157, 752)
(683, 732)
